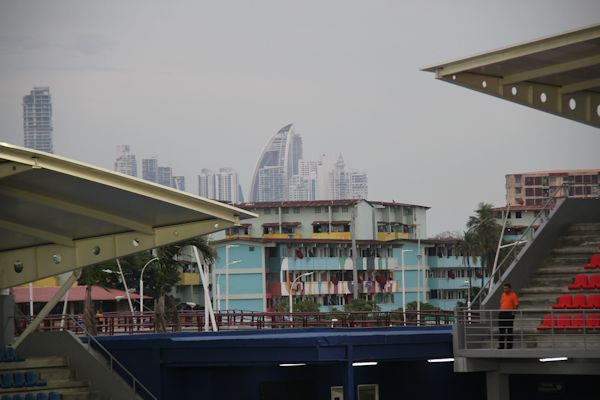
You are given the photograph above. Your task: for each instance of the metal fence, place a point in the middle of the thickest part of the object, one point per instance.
(532, 330)
(127, 323)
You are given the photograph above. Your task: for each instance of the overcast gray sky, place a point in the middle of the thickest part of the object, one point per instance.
(205, 84)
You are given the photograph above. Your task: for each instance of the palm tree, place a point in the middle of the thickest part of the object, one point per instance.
(92, 275)
(166, 274)
(486, 233)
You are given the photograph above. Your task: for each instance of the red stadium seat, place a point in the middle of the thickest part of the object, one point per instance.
(594, 281)
(563, 322)
(594, 262)
(580, 282)
(564, 301)
(578, 321)
(579, 301)
(592, 322)
(593, 301)
(547, 323)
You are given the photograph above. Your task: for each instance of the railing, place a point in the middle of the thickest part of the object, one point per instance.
(126, 324)
(480, 330)
(114, 364)
(513, 255)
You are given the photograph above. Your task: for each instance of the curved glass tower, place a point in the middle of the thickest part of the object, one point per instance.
(276, 165)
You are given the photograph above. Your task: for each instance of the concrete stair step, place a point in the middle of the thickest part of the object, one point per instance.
(583, 227)
(576, 250)
(579, 240)
(34, 363)
(570, 270)
(566, 260)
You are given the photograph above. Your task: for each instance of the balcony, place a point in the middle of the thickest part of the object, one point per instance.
(385, 236)
(341, 288)
(333, 235)
(316, 264)
(188, 278)
(236, 236)
(282, 236)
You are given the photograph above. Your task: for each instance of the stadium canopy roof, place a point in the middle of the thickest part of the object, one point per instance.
(58, 215)
(558, 74)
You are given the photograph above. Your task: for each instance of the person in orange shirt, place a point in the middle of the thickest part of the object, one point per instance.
(509, 302)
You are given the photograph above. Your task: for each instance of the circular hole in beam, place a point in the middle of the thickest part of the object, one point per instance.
(96, 250)
(56, 258)
(598, 110)
(514, 90)
(135, 242)
(18, 266)
(543, 97)
(484, 84)
(572, 104)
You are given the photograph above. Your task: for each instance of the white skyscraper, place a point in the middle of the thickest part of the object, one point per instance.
(276, 165)
(150, 169)
(125, 162)
(206, 184)
(344, 184)
(37, 119)
(223, 186)
(226, 185)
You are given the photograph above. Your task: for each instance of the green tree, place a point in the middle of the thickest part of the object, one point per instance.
(412, 306)
(92, 275)
(486, 232)
(303, 306)
(361, 305)
(166, 274)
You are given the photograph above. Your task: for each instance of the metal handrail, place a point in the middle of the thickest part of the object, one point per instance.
(528, 232)
(112, 361)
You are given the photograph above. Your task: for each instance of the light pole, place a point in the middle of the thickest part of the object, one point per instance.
(142, 284)
(468, 282)
(227, 247)
(122, 277)
(403, 286)
(291, 287)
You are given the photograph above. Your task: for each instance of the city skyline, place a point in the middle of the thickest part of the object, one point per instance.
(201, 91)
(37, 120)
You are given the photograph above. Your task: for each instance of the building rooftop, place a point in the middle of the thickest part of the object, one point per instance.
(320, 203)
(559, 172)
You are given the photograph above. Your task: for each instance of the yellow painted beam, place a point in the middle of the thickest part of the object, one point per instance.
(510, 53)
(69, 206)
(30, 264)
(38, 233)
(551, 70)
(580, 86)
(12, 168)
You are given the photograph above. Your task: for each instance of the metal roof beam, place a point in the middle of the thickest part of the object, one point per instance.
(38, 233)
(71, 207)
(580, 86)
(33, 263)
(551, 70)
(12, 168)
(513, 52)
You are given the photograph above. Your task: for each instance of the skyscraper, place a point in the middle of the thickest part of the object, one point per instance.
(125, 162)
(150, 169)
(37, 119)
(223, 185)
(165, 176)
(226, 184)
(276, 165)
(347, 184)
(206, 183)
(178, 182)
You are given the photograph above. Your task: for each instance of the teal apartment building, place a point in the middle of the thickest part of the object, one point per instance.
(304, 248)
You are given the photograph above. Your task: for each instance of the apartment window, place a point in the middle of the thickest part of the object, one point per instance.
(538, 192)
(587, 190)
(517, 179)
(578, 190)
(537, 181)
(517, 190)
(594, 179)
(296, 210)
(587, 179)
(529, 192)
(529, 202)
(251, 248)
(578, 179)
(544, 181)
(344, 209)
(285, 210)
(267, 211)
(335, 209)
(518, 214)
(529, 181)
(317, 210)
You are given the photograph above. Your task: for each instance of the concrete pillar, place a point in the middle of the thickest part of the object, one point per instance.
(349, 386)
(7, 316)
(497, 386)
